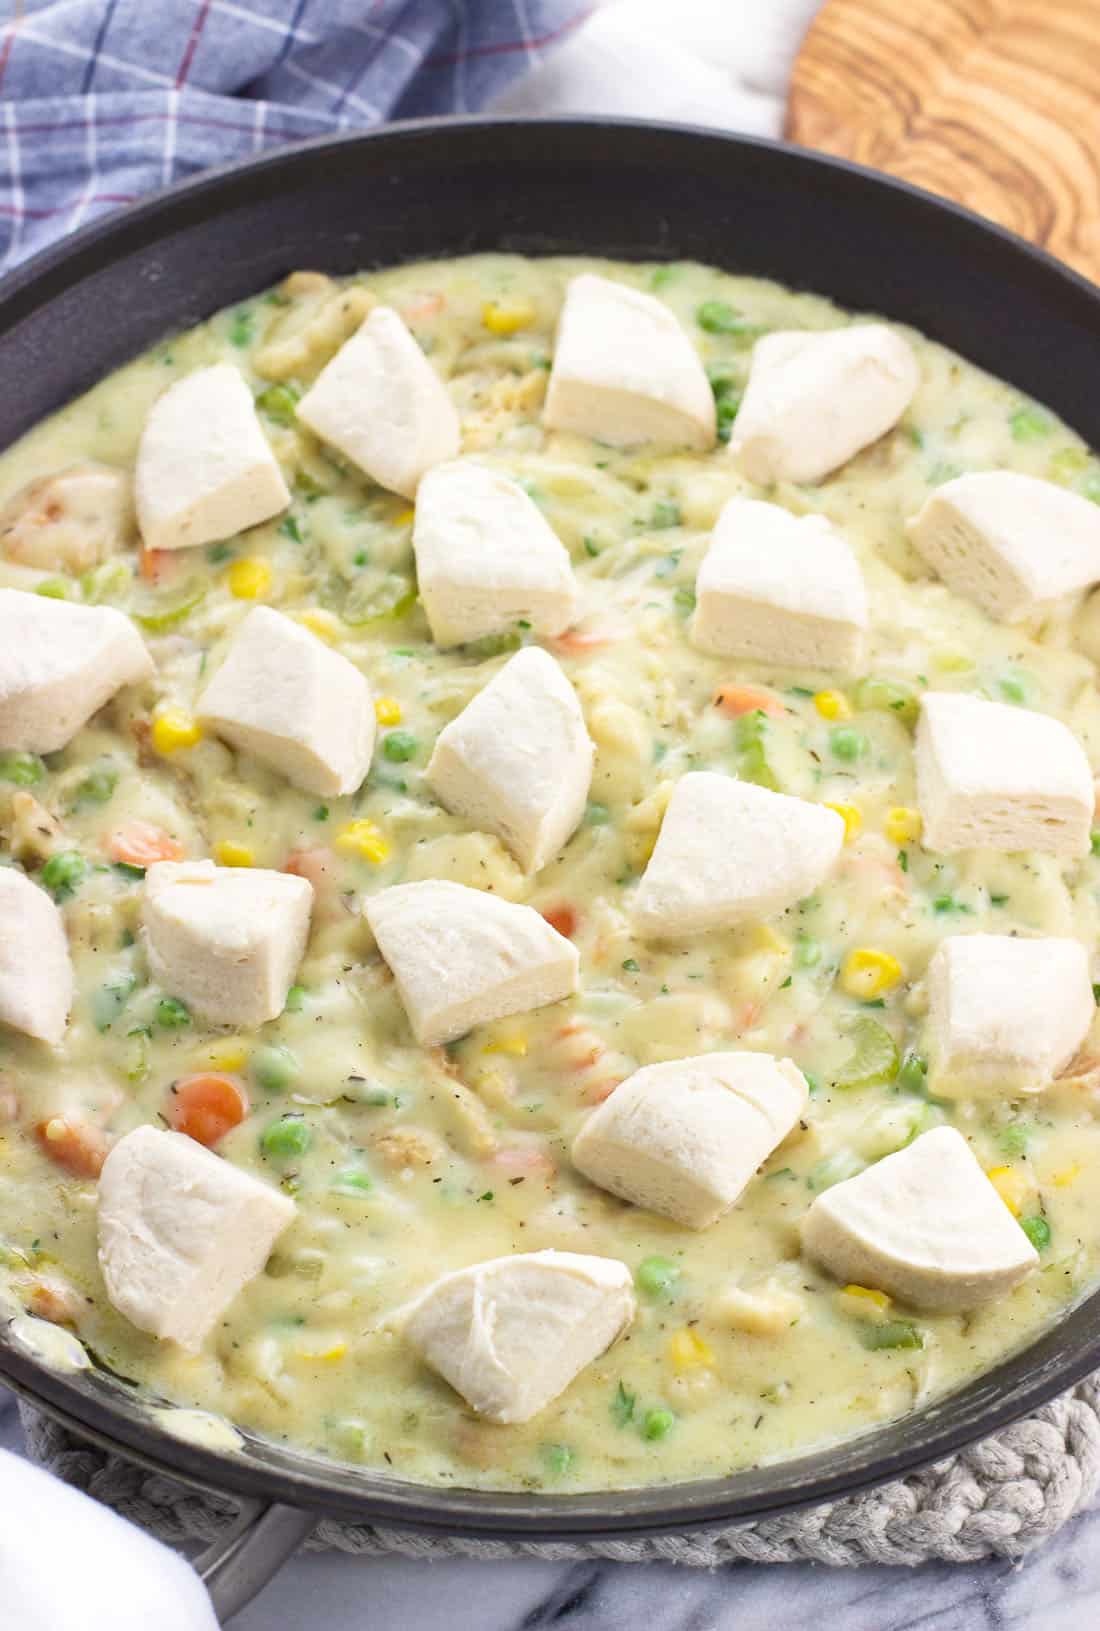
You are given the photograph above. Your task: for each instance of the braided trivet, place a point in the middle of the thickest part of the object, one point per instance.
(1000, 1498)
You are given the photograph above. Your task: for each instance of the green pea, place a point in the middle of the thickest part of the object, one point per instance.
(24, 769)
(666, 514)
(1016, 686)
(657, 1424)
(274, 1067)
(240, 328)
(718, 317)
(1030, 423)
(353, 1181)
(557, 1458)
(53, 589)
(279, 402)
(1037, 1230)
(63, 872)
(847, 743)
(657, 1276)
(98, 787)
(172, 1014)
(631, 965)
(399, 746)
(891, 1334)
(912, 1076)
(725, 412)
(1015, 1138)
(286, 1138)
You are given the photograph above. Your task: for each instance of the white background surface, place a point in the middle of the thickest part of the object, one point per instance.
(721, 62)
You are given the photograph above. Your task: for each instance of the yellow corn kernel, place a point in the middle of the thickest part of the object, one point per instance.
(325, 625)
(249, 578)
(903, 824)
(1011, 1186)
(687, 1350)
(852, 817)
(506, 317)
(513, 1042)
(405, 517)
(1068, 1175)
(230, 1054)
(364, 838)
(866, 973)
(387, 711)
(833, 705)
(952, 662)
(328, 1355)
(173, 730)
(864, 1303)
(230, 853)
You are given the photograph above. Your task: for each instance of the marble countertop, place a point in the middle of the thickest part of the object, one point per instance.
(1057, 1589)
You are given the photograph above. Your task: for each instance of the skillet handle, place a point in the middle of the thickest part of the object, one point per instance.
(241, 1562)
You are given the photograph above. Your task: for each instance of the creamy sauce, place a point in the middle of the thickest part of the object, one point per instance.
(422, 1162)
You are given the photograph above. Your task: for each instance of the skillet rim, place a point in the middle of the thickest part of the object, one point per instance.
(102, 1409)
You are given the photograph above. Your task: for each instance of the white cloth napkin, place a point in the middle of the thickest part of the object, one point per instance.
(708, 62)
(69, 1564)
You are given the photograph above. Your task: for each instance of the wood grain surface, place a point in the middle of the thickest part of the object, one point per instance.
(995, 103)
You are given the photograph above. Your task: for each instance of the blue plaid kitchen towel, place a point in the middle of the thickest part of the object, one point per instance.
(102, 100)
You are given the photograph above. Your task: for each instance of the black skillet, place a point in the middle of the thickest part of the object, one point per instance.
(588, 187)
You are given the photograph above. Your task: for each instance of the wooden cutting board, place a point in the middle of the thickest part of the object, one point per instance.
(995, 103)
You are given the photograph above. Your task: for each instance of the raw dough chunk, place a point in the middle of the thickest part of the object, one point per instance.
(924, 1225)
(226, 940)
(204, 468)
(462, 957)
(59, 663)
(512, 1333)
(518, 760)
(728, 850)
(781, 589)
(1012, 544)
(625, 372)
(1005, 1014)
(486, 558)
(685, 1138)
(382, 404)
(283, 696)
(36, 973)
(181, 1233)
(814, 400)
(991, 776)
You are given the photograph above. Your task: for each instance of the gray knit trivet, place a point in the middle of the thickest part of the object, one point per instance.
(1000, 1498)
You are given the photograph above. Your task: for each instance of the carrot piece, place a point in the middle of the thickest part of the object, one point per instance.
(525, 1159)
(576, 642)
(317, 866)
(75, 1145)
(153, 563)
(735, 700)
(207, 1106)
(563, 918)
(422, 306)
(140, 844)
